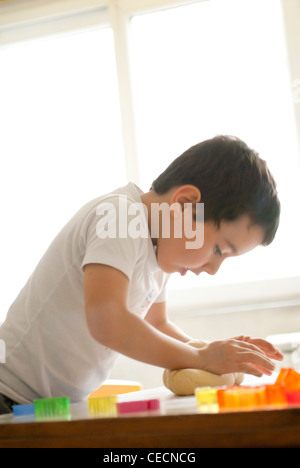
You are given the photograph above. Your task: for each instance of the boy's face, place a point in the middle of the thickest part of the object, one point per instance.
(232, 238)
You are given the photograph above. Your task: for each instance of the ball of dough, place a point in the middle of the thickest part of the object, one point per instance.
(239, 377)
(183, 382)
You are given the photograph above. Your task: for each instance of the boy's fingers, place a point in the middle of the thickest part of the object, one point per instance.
(235, 355)
(246, 369)
(252, 347)
(254, 355)
(268, 348)
(258, 361)
(263, 345)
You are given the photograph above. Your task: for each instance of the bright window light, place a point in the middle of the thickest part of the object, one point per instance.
(220, 67)
(60, 144)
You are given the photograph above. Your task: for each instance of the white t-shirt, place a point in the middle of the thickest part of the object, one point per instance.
(49, 350)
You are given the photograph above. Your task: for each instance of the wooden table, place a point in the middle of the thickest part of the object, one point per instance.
(178, 424)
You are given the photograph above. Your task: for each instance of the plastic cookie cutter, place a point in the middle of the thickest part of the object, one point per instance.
(102, 406)
(138, 406)
(289, 380)
(276, 396)
(48, 408)
(23, 410)
(229, 398)
(207, 400)
(242, 398)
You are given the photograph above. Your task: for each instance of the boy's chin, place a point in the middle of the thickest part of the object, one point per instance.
(169, 270)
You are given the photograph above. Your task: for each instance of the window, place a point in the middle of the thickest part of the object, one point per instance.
(211, 68)
(60, 144)
(94, 91)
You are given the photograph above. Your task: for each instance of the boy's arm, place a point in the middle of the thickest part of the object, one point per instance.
(113, 325)
(157, 317)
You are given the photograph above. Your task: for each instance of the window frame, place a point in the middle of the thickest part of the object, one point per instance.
(22, 20)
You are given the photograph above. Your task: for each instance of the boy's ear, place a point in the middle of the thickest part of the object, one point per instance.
(186, 194)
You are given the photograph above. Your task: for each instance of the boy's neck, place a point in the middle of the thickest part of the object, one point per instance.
(151, 197)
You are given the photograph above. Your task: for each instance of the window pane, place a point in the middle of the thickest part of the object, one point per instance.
(60, 142)
(220, 67)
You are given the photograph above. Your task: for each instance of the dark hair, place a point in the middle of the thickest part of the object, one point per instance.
(233, 181)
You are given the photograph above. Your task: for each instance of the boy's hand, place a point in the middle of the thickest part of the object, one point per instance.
(241, 354)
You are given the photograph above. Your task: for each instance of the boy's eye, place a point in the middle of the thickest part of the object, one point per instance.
(218, 250)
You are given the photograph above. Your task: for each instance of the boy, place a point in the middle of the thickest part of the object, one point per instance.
(99, 290)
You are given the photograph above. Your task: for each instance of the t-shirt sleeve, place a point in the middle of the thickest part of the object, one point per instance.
(105, 246)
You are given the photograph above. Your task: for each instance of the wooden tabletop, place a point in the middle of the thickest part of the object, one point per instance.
(177, 424)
